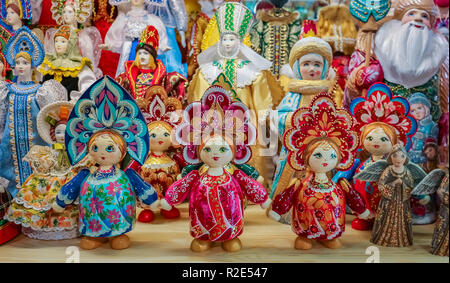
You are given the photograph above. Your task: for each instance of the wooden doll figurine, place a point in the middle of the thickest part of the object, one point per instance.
(396, 178)
(437, 181)
(320, 140)
(106, 123)
(216, 132)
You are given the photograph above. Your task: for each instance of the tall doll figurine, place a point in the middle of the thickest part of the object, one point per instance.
(106, 123)
(216, 131)
(123, 35)
(321, 139)
(382, 120)
(24, 99)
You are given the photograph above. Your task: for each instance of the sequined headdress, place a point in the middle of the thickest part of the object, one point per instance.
(24, 41)
(105, 105)
(23, 5)
(234, 17)
(82, 8)
(380, 105)
(321, 120)
(216, 114)
(362, 9)
(150, 37)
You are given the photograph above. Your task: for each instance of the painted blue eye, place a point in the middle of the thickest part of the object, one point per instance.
(318, 155)
(153, 136)
(110, 148)
(384, 139)
(95, 148)
(166, 135)
(333, 156)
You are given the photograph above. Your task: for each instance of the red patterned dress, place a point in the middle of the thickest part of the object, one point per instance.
(216, 202)
(318, 209)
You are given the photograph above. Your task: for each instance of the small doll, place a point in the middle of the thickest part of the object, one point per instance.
(396, 178)
(216, 131)
(382, 120)
(8, 230)
(66, 65)
(320, 140)
(14, 13)
(106, 123)
(437, 181)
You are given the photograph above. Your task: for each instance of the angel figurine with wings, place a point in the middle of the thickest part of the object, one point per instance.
(396, 178)
(437, 181)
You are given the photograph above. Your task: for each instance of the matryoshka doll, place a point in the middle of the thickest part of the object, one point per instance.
(216, 131)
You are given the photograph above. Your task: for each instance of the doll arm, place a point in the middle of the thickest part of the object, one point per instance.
(70, 191)
(114, 37)
(178, 10)
(249, 171)
(254, 191)
(354, 199)
(85, 79)
(189, 168)
(36, 10)
(144, 191)
(179, 190)
(50, 91)
(283, 202)
(3, 107)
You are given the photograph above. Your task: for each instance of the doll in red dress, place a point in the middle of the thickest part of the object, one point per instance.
(216, 131)
(320, 140)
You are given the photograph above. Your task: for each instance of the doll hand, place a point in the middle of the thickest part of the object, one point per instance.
(260, 179)
(154, 206)
(165, 205)
(2, 190)
(57, 208)
(275, 216)
(398, 182)
(425, 200)
(266, 204)
(365, 215)
(104, 46)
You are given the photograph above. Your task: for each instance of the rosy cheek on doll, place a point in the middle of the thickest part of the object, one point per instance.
(105, 152)
(59, 133)
(160, 140)
(398, 159)
(216, 153)
(378, 143)
(323, 160)
(418, 111)
(418, 18)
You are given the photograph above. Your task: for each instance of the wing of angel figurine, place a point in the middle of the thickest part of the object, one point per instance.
(372, 173)
(430, 183)
(417, 172)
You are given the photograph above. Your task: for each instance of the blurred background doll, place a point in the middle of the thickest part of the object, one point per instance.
(382, 121)
(24, 52)
(123, 35)
(216, 196)
(320, 140)
(396, 177)
(8, 230)
(14, 13)
(106, 124)
(66, 65)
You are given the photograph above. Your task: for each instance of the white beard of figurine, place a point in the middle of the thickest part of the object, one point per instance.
(410, 56)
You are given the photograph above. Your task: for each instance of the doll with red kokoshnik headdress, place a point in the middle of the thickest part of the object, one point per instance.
(321, 139)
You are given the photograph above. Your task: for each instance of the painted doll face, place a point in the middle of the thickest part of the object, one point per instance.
(61, 44)
(419, 18)
(12, 18)
(323, 159)
(105, 151)
(229, 43)
(398, 159)
(419, 111)
(311, 67)
(59, 133)
(137, 2)
(216, 153)
(69, 16)
(23, 67)
(377, 142)
(430, 153)
(144, 58)
(160, 139)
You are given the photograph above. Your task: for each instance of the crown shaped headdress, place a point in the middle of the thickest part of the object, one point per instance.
(82, 8)
(216, 114)
(321, 120)
(234, 17)
(380, 105)
(150, 36)
(25, 41)
(23, 5)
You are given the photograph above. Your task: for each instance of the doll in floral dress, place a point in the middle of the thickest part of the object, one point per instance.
(216, 132)
(320, 140)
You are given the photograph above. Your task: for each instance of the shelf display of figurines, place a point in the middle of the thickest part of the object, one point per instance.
(32, 205)
(396, 177)
(146, 70)
(382, 121)
(106, 124)
(216, 131)
(75, 14)
(437, 182)
(320, 140)
(66, 65)
(14, 13)
(20, 104)
(123, 35)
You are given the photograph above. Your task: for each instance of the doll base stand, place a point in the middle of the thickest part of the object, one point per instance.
(120, 242)
(332, 244)
(232, 246)
(8, 231)
(199, 246)
(362, 225)
(146, 216)
(171, 214)
(90, 243)
(303, 243)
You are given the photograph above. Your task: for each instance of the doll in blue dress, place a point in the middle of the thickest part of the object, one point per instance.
(106, 124)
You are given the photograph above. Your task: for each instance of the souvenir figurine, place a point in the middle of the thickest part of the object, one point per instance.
(75, 13)
(310, 60)
(174, 16)
(106, 123)
(396, 177)
(216, 131)
(14, 13)
(274, 34)
(437, 181)
(123, 35)
(382, 121)
(24, 52)
(66, 65)
(8, 230)
(430, 150)
(146, 70)
(42, 14)
(321, 139)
